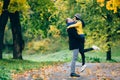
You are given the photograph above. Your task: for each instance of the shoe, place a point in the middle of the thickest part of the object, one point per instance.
(95, 47)
(74, 75)
(83, 68)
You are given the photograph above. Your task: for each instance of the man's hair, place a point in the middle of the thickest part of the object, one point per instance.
(67, 20)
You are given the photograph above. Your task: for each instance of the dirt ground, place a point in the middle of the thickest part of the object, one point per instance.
(94, 71)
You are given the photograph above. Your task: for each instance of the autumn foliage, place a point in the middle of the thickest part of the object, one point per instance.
(110, 4)
(16, 5)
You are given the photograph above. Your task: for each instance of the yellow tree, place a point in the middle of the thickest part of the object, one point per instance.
(10, 9)
(110, 4)
(110, 10)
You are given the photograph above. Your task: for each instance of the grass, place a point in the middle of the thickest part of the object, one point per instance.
(102, 56)
(57, 56)
(66, 55)
(21, 65)
(9, 66)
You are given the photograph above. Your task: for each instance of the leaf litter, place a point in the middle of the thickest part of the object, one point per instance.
(94, 71)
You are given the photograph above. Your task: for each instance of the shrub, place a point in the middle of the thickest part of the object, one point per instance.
(5, 74)
(47, 45)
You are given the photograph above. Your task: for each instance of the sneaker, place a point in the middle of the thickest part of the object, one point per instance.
(74, 75)
(83, 68)
(95, 47)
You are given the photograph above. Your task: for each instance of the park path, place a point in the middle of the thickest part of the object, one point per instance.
(94, 71)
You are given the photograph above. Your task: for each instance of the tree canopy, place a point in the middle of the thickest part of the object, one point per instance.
(16, 5)
(46, 18)
(110, 4)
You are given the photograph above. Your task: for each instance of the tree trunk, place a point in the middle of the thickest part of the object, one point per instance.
(3, 22)
(18, 42)
(109, 20)
(108, 53)
(108, 56)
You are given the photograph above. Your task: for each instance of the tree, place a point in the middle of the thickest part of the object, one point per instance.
(110, 12)
(42, 16)
(110, 4)
(35, 20)
(11, 8)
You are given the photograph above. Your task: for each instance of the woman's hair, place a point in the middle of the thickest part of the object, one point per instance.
(78, 17)
(83, 23)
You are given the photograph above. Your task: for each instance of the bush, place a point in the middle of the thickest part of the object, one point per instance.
(47, 45)
(5, 74)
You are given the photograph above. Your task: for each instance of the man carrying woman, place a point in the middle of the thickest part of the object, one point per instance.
(76, 41)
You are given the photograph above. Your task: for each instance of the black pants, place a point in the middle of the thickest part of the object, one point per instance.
(82, 50)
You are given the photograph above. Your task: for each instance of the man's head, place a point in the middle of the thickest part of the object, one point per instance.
(69, 20)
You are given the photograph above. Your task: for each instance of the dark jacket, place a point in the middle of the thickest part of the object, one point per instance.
(74, 39)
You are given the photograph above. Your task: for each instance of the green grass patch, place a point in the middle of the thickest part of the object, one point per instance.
(9, 66)
(64, 55)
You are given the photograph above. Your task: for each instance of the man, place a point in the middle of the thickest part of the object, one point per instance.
(76, 42)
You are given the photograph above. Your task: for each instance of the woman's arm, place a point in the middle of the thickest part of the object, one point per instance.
(75, 25)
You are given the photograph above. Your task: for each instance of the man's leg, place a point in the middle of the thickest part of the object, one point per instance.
(75, 56)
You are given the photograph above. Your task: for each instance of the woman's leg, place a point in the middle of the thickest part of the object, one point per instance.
(88, 49)
(75, 56)
(83, 57)
(81, 49)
